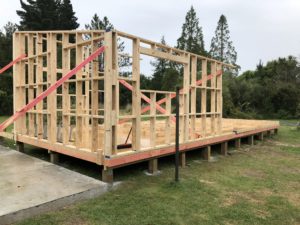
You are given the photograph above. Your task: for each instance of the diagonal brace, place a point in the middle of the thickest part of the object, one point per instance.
(52, 88)
(163, 100)
(12, 63)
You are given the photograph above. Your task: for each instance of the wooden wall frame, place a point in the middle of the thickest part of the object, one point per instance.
(83, 118)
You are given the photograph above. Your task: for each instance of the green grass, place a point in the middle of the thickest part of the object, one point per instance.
(260, 185)
(7, 142)
(288, 135)
(2, 119)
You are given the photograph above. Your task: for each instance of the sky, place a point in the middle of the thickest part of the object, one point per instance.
(260, 30)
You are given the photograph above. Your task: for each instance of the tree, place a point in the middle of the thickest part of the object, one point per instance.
(221, 47)
(159, 70)
(104, 24)
(98, 24)
(67, 17)
(271, 91)
(6, 83)
(191, 38)
(165, 75)
(6, 43)
(47, 15)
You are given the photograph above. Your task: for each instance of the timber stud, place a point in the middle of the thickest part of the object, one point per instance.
(94, 136)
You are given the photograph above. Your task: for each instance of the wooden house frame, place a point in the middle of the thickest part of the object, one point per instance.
(82, 118)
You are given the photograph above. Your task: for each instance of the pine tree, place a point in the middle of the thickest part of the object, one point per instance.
(67, 16)
(104, 24)
(221, 47)
(159, 70)
(6, 84)
(6, 43)
(47, 15)
(191, 38)
(166, 75)
(98, 24)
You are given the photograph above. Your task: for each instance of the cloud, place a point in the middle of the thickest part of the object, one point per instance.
(259, 29)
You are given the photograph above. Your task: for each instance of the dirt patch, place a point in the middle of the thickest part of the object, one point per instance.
(229, 201)
(253, 173)
(265, 192)
(284, 144)
(77, 221)
(207, 182)
(262, 213)
(254, 198)
(293, 198)
(289, 170)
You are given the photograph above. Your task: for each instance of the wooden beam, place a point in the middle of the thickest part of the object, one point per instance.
(193, 96)
(153, 166)
(65, 91)
(95, 100)
(213, 99)
(163, 55)
(20, 146)
(186, 96)
(136, 96)
(108, 74)
(206, 153)
(251, 140)
(54, 157)
(237, 143)
(224, 148)
(115, 92)
(203, 98)
(182, 159)
(261, 136)
(108, 175)
(52, 88)
(79, 95)
(153, 120)
(39, 81)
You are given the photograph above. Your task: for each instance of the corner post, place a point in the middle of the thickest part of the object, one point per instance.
(108, 73)
(136, 96)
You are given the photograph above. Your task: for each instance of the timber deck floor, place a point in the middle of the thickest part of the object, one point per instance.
(232, 129)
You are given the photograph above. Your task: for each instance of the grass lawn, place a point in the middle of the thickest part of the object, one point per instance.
(7, 142)
(260, 185)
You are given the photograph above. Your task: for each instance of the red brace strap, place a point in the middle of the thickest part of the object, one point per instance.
(52, 88)
(12, 63)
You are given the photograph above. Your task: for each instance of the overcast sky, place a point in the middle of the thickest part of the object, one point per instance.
(260, 30)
